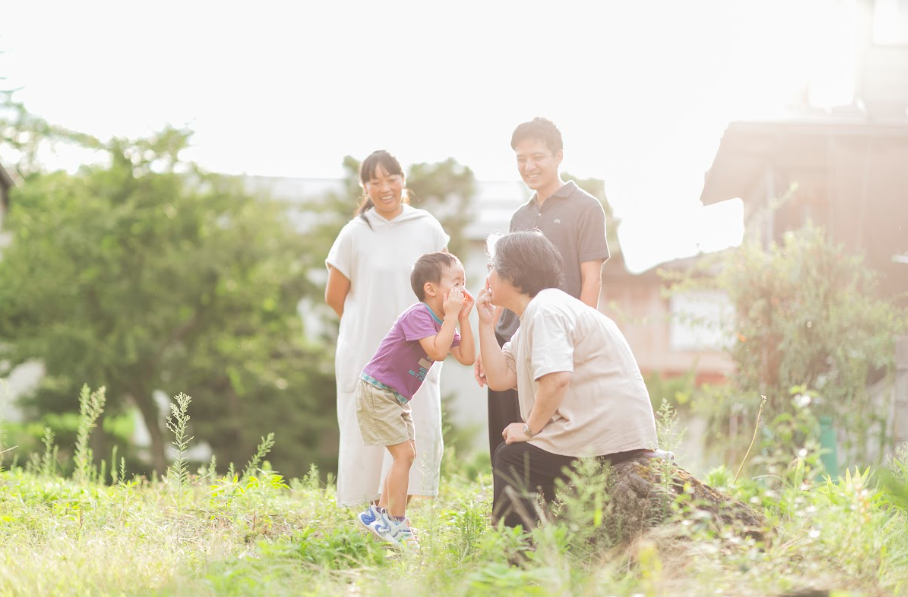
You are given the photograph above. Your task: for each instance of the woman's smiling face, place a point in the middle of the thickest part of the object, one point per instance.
(385, 190)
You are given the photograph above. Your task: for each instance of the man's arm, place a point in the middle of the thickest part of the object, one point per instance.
(552, 388)
(592, 250)
(591, 282)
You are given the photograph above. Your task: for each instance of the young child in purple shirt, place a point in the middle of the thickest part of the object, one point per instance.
(424, 333)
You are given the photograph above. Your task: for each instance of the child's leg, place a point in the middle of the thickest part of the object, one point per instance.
(394, 493)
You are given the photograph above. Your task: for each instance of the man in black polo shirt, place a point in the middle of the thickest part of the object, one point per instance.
(569, 217)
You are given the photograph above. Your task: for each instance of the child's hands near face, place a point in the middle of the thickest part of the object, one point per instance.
(454, 301)
(468, 302)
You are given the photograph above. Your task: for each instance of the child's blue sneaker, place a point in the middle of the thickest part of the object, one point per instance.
(370, 515)
(372, 519)
(399, 533)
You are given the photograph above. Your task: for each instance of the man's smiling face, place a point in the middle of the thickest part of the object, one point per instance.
(538, 166)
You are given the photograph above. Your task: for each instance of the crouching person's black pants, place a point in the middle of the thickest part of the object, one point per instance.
(522, 472)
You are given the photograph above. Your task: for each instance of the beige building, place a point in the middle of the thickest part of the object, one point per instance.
(844, 168)
(670, 335)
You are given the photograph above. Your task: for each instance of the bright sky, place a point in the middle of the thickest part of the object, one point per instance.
(641, 91)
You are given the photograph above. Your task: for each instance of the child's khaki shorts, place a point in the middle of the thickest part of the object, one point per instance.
(383, 420)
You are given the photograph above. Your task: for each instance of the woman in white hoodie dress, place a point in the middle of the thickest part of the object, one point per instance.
(369, 287)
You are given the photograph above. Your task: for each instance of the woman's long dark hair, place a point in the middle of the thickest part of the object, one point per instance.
(387, 162)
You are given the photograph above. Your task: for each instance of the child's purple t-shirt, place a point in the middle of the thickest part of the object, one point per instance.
(400, 361)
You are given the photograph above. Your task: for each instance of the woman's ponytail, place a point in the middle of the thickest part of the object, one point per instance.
(364, 206)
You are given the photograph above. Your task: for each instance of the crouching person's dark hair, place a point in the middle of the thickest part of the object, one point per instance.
(528, 261)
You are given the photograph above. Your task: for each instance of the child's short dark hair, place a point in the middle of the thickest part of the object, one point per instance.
(538, 128)
(429, 268)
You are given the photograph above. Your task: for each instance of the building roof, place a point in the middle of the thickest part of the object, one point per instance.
(749, 147)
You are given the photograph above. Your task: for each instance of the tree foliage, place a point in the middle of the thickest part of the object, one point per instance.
(596, 188)
(147, 274)
(810, 335)
(445, 189)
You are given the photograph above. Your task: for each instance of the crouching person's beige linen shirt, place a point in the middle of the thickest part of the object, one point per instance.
(606, 408)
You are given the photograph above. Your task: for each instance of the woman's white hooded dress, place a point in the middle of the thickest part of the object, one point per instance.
(378, 262)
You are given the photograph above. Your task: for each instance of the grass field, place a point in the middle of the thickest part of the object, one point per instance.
(255, 533)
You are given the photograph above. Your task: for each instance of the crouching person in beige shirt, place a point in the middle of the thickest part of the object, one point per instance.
(580, 389)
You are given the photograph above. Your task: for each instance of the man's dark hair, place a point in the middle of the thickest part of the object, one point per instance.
(528, 261)
(429, 268)
(538, 128)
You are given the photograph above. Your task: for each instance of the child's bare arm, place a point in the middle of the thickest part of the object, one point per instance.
(465, 353)
(439, 345)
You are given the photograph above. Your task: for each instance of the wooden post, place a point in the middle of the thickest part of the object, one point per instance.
(900, 422)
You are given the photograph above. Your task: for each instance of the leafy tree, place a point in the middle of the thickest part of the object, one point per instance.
(147, 274)
(24, 135)
(447, 190)
(324, 217)
(596, 188)
(809, 334)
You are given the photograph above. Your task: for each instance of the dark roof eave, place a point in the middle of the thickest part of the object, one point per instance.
(740, 146)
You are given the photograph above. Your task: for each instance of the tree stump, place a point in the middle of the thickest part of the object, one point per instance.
(640, 498)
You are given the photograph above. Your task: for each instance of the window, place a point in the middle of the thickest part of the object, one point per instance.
(699, 320)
